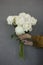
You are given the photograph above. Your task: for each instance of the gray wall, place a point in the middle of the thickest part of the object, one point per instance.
(9, 48)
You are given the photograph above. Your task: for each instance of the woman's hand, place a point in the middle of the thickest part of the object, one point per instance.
(24, 38)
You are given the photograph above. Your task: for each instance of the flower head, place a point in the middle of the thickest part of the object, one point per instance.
(10, 19)
(19, 20)
(19, 30)
(27, 27)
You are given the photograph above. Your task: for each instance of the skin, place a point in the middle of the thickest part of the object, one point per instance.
(23, 39)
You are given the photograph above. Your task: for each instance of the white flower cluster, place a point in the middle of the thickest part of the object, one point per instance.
(23, 21)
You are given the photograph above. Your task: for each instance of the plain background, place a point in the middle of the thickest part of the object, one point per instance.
(9, 48)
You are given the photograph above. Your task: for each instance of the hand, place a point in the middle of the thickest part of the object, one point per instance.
(24, 38)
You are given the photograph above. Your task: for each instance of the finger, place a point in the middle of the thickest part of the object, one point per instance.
(28, 43)
(25, 36)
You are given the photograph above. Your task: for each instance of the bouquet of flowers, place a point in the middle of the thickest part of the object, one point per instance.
(22, 24)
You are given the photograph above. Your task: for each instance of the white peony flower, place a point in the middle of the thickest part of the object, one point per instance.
(27, 27)
(22, 18)
(10, 20)
(19, 20)
(25, 16)
(33, 21)
(19, 30)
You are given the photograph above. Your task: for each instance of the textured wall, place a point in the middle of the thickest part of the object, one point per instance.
(9, 48)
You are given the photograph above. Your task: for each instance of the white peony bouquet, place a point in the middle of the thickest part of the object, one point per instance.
(23, 24)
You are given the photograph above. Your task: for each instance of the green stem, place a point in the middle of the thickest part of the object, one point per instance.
(21, 52)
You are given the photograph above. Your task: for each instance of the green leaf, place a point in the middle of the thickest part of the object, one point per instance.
(13, 35)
